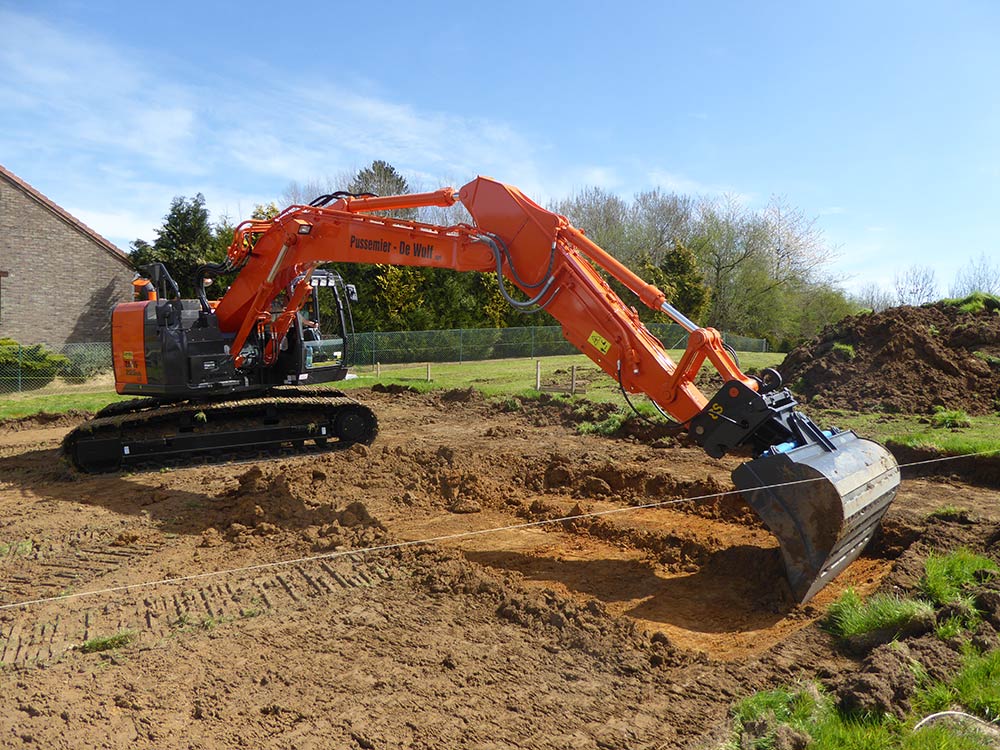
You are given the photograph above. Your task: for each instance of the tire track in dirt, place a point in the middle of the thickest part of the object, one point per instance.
(38, 635)
(56, 566)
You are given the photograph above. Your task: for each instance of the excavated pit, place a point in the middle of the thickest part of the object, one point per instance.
(621, 629)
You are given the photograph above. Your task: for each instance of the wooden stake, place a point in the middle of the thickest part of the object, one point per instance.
(538, 375)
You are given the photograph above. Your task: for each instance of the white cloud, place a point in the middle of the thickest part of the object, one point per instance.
(115, 138)
(677, 183)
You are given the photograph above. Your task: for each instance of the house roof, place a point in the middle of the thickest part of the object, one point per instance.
(64, 215)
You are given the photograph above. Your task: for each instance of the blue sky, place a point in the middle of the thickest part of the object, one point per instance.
(880, 119)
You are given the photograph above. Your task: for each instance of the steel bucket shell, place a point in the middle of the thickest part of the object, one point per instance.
(823, 506)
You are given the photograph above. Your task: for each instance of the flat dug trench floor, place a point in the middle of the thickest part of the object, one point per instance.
(634, 629)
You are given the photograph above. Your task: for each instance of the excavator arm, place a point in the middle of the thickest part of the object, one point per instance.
(821, 492)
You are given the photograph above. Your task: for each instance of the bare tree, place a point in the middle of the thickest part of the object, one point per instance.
(660, 222)
(798, 247)
(916, 285)
(873, 297)
(731, 246)
(980, 275)
(603, 216)
(303, 193)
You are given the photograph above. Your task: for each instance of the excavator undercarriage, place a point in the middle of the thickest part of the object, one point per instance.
(146, 433)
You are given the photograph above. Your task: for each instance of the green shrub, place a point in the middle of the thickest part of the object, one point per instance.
(850, 616)
(28, 367)
(85, 362)
(947, 577)
(949, 418)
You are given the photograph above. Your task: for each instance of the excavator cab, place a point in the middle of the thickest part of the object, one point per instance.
(325, 326)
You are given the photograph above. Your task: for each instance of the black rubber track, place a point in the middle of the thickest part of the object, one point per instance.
(149, 432)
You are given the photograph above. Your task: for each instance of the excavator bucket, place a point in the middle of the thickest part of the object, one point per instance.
(823, 505)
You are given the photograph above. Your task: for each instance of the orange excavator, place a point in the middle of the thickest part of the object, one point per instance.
(219, 377)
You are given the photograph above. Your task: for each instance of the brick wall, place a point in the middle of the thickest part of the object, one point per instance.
(62, 283)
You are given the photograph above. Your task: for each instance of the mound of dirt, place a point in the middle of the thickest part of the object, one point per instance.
(270, 501)
(907, 359)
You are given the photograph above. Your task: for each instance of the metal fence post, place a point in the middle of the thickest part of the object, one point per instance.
(532, 342)
(460, 345)
(20, 361)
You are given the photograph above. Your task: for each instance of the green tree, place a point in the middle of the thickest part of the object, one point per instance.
(680, 266)
(185, 241)
(416, 298)
(381, 178)
(265, 211)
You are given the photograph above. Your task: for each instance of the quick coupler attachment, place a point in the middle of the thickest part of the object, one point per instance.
(821, 492)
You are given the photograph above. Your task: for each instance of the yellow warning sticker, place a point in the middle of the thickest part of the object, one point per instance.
(600, 343)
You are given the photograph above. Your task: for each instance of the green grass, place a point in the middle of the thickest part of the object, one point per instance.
(57, 403)
(503, 379)
(989, 359)
(977, 686)
(950, 512)
(811, 711)
(914, 431)
(851, 616)
(975, 302)
(949, 418)
(109, 642)
(947, 577)
(608, 426)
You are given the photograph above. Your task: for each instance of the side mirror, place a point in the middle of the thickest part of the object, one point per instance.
(352, 292)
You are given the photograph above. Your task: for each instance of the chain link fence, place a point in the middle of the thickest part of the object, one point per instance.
(30, 367)
(463, 345)
(26, 367)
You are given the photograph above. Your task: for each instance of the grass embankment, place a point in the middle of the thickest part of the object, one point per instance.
(942, 432)
(946, 587)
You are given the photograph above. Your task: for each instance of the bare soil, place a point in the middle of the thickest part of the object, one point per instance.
(633, 629)
(906, 359)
